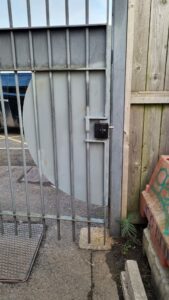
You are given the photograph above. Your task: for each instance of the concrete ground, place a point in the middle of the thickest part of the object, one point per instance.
(61, 270)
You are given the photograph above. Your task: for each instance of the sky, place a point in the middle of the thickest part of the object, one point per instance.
(97, 14)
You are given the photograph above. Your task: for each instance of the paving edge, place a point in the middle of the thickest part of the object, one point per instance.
(133, 288)
(124, 285)
(160, 275)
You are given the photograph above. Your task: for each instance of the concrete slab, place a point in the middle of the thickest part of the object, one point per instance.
(104, 287)
(97, 239)
(61, 271)
(124, 284)
(135, 285)
(160, 274)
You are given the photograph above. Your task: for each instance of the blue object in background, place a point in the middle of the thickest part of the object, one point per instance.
(9, 93)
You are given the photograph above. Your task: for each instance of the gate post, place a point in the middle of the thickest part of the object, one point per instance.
(119, 41)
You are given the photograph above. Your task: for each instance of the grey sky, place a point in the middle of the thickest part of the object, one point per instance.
(57, 12)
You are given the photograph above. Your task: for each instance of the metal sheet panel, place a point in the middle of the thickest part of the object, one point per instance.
(58, 41)
(22, 53)
(77, 48)
(78, 116)
(5, 51)
(40, 49)
(97, 48)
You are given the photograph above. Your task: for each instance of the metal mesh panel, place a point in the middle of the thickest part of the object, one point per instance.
(18, 252)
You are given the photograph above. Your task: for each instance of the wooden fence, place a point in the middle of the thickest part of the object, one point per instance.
(149, 110)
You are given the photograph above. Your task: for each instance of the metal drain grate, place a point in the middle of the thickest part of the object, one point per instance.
(17, 253)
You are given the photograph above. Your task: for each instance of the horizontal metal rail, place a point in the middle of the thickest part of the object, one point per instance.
(75, 69)
(34, 28)
(52, 217)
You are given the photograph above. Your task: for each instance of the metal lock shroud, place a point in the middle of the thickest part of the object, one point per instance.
(101, 131)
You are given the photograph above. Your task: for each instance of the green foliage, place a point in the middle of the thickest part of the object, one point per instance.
(128, 246)
(128, 230)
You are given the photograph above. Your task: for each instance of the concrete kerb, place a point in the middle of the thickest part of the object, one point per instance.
(160, 275)
(132, 284)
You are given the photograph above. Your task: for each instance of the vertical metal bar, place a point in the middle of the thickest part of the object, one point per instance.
(88, 133)
(13, 202)
(107, 114)
(20, 116)
(23, 152)
(47, 13)
(1, 216)
(53, 118)
(71, 158)
(10, 13)
(28, 12)
(36, 117)
(5, 122)
(108, 12)
(38, 147)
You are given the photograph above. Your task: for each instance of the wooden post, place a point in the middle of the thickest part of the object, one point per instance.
(119, 35)
(129, 61)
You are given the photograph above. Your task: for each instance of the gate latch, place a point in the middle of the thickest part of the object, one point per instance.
(101, 131)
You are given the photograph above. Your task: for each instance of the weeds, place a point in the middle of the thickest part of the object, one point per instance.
(129, 232)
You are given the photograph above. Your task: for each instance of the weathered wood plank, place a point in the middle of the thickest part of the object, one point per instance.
(158, 45)
(164, 138)
(151, 137)
(127, 106)
(141, 34)
(135, 156)
(150, 97)
(166, 83)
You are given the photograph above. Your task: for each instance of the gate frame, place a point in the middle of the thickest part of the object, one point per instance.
(122, 52)
(122, 48)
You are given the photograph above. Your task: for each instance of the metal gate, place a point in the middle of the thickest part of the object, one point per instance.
(65, 118)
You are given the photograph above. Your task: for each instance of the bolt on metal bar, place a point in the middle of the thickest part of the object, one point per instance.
(53, 119)
(23, 153)
(13, 201)
(88, 133)
(71, 158)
